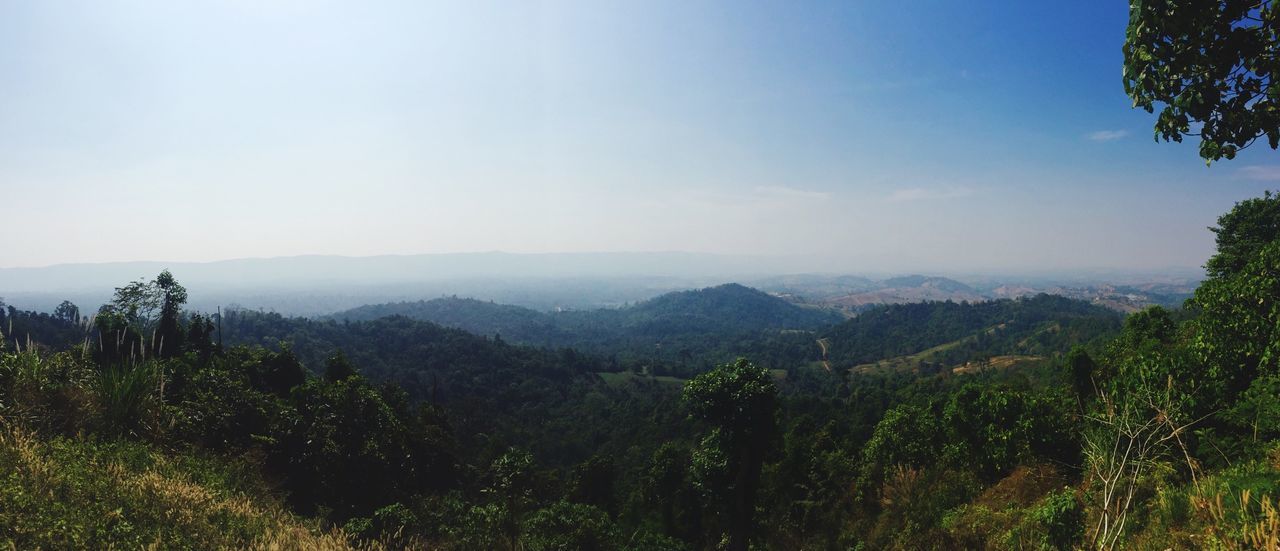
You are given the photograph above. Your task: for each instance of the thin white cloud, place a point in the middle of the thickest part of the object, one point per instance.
(783, 191)
(1260, 173)
(926, 194)
(1108, 135)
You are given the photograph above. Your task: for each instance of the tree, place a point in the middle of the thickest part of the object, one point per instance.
(1243, 232)
(338, 368)
(740, 402)
(349, 450)
(1211, 64)
(593, 483)
(67, 312)
(136, 306)
(117, 338)
(906, 435)
(136, 303)
(278, 372)
(1130, 437)
(171, 296)
(1237, 332)
(200, 335)
(991, 429)
(664, 480)
(1082, 373)
(566, 526)
(512, 486)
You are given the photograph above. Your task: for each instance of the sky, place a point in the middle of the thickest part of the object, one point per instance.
(959, 136)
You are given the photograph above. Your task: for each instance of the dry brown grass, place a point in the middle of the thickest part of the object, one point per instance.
(1258, 530)
(1023, 487)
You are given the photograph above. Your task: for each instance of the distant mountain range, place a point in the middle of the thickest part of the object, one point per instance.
(856, 294)
(316, 285)
(320, 285)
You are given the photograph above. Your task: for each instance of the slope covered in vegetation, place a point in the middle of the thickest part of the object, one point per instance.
(682, 333)
(401, 433)
(1040, 325)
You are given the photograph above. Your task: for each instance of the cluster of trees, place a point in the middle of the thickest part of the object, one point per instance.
(62, 328)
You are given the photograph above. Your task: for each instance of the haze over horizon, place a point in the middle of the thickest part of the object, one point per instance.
(640, 263)
(922, 137)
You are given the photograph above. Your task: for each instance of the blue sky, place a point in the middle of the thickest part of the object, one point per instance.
(957, 136)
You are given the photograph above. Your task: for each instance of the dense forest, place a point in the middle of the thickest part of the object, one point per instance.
(145, 424)
(681, 333)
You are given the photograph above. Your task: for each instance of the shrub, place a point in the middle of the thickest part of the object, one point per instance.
(1057, 522)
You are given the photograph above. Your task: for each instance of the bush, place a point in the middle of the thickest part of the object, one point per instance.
(1057, 522)
(568, 526)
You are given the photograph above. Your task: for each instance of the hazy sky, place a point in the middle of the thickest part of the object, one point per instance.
(923, 135)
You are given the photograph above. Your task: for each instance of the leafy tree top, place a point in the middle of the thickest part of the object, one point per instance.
(1212, 65)
(1243, 232)
(738, 397)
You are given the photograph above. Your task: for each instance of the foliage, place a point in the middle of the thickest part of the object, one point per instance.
(991, 430)
(1057, 522)
(1211, 65)
(349, 449)
(739, 401)
(568, 526)
(1242, 233)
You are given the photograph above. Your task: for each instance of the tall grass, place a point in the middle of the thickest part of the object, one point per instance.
(43, 390)
(127, 394)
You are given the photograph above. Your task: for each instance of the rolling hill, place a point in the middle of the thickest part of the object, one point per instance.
(950, 333)
(693, 327)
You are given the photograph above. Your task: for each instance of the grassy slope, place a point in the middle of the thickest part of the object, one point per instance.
(73, 493)
(912, 362)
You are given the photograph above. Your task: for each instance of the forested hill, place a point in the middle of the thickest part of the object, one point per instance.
(1039, 325)
(428, 360)
(693, 328)
(497, 394)
(514, 323)
(940, 283)
(730, 306)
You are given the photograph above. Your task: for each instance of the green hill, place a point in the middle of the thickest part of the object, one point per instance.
(514, 323)
(954, 333)
(691, 328)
